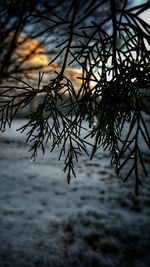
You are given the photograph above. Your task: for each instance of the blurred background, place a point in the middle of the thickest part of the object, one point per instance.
(96, 221)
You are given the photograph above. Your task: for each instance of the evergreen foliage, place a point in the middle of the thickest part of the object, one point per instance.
(110, 43)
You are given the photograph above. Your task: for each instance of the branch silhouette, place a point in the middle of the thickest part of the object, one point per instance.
(108, 42)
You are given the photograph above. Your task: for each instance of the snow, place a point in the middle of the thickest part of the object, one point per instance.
(95, 221)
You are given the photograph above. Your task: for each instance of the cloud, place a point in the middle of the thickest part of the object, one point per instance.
(30, 52)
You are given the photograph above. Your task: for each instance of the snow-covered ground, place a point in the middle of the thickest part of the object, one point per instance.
(96, 221)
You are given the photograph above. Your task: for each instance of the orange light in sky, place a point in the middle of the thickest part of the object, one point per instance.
(40, 59)
(30, 53)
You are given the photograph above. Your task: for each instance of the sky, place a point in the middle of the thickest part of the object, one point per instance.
(39, 57)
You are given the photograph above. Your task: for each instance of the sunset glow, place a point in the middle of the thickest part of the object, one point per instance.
(39, 59)
(30, 54)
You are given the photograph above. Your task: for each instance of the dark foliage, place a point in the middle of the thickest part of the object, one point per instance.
(110, 43)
